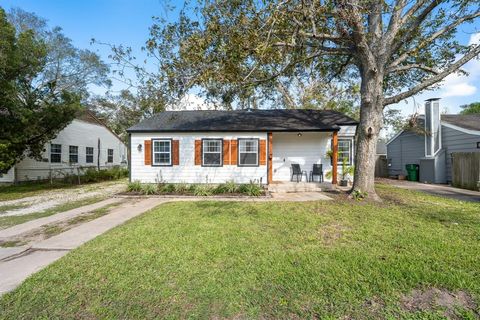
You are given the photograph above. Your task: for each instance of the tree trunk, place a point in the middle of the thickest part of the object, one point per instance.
(371, 120)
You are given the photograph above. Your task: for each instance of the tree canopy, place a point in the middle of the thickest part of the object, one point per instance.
(471, 108)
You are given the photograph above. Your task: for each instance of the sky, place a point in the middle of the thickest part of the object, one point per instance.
(127, 22)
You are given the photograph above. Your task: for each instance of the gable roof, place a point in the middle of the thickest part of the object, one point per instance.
(466, 121)
(244, 120)
(88, 116)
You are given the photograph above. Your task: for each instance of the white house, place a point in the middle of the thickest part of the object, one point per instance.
(85, 142)
(209, 146)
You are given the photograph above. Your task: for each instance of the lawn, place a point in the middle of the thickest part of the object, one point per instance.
(337, 259)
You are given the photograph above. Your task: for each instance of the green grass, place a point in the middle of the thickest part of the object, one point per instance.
(337, 259)
(9, 221)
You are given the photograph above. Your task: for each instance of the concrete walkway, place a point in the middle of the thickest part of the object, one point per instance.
(437, 189)
(63, 216)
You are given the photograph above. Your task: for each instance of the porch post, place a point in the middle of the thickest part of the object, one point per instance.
(269, 159)
(334, 157)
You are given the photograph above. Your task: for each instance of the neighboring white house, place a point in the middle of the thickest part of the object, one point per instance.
(85, 142)
(208, 146)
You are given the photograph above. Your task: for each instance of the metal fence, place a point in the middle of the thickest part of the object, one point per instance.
(466, 170)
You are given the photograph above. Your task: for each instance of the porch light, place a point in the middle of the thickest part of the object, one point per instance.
(139, 147)
(299, 134)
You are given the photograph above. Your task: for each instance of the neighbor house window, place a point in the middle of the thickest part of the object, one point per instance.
(89, 154)
(212, 152)
(55, 153)
(162, 152)
(248, 152)
(110, 155)
(73, 157)
(345, 150)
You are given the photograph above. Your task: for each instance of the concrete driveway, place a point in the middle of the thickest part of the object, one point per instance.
(436, 189)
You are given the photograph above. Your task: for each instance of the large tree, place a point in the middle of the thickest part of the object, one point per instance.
(43, 79)
(234, 50)
(66, 68)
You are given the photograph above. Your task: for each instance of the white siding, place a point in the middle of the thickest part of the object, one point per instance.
(78, 133)
(8, 177)
(305, 150)
(187, 171)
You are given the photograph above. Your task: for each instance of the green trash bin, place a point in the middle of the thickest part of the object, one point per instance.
(412, 172)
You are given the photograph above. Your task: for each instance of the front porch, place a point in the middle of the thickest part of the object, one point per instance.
(303, 150)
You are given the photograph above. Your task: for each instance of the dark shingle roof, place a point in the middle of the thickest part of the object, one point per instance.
(243, 120)
(467, 121)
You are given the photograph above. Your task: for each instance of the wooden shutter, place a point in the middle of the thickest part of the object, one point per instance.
(263, 152)
(148, 152)
(226, 152)
(233, 152)
(198, 152)
(175, 152)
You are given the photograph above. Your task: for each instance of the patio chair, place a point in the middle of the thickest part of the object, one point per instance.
(317, 171)
(298, 173)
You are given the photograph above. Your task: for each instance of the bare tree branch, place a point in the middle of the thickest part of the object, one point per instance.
(434, 36)
(437, 78)
(412, 66)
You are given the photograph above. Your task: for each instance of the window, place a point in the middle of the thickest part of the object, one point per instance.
(55, 153)
(110, 155)
(248, 152)
(212, 152)
(73, 158)
(162, 152)
(89, 154)
(345, 150)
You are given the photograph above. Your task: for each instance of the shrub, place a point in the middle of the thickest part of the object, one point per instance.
(181, 188)
(203, 190)
(231, 187)
(166, 187)
(134, 186)
(251, 189)
(94, 175)
(149, 189)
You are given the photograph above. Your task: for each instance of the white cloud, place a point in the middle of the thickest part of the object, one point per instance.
(474, 39)
(458, 90)
(192, 102)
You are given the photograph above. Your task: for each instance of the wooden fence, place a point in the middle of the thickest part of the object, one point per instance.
(466, 170)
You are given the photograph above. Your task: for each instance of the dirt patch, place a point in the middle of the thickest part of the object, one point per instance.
(331, 233)
(53, 198)
(439, 299)
(50, 230)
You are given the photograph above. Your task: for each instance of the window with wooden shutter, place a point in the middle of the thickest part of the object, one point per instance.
(263, 152)
(175, 152)
(226, 152)
(248, 152)
(198, 152)
(148, 152)
(233, 152)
